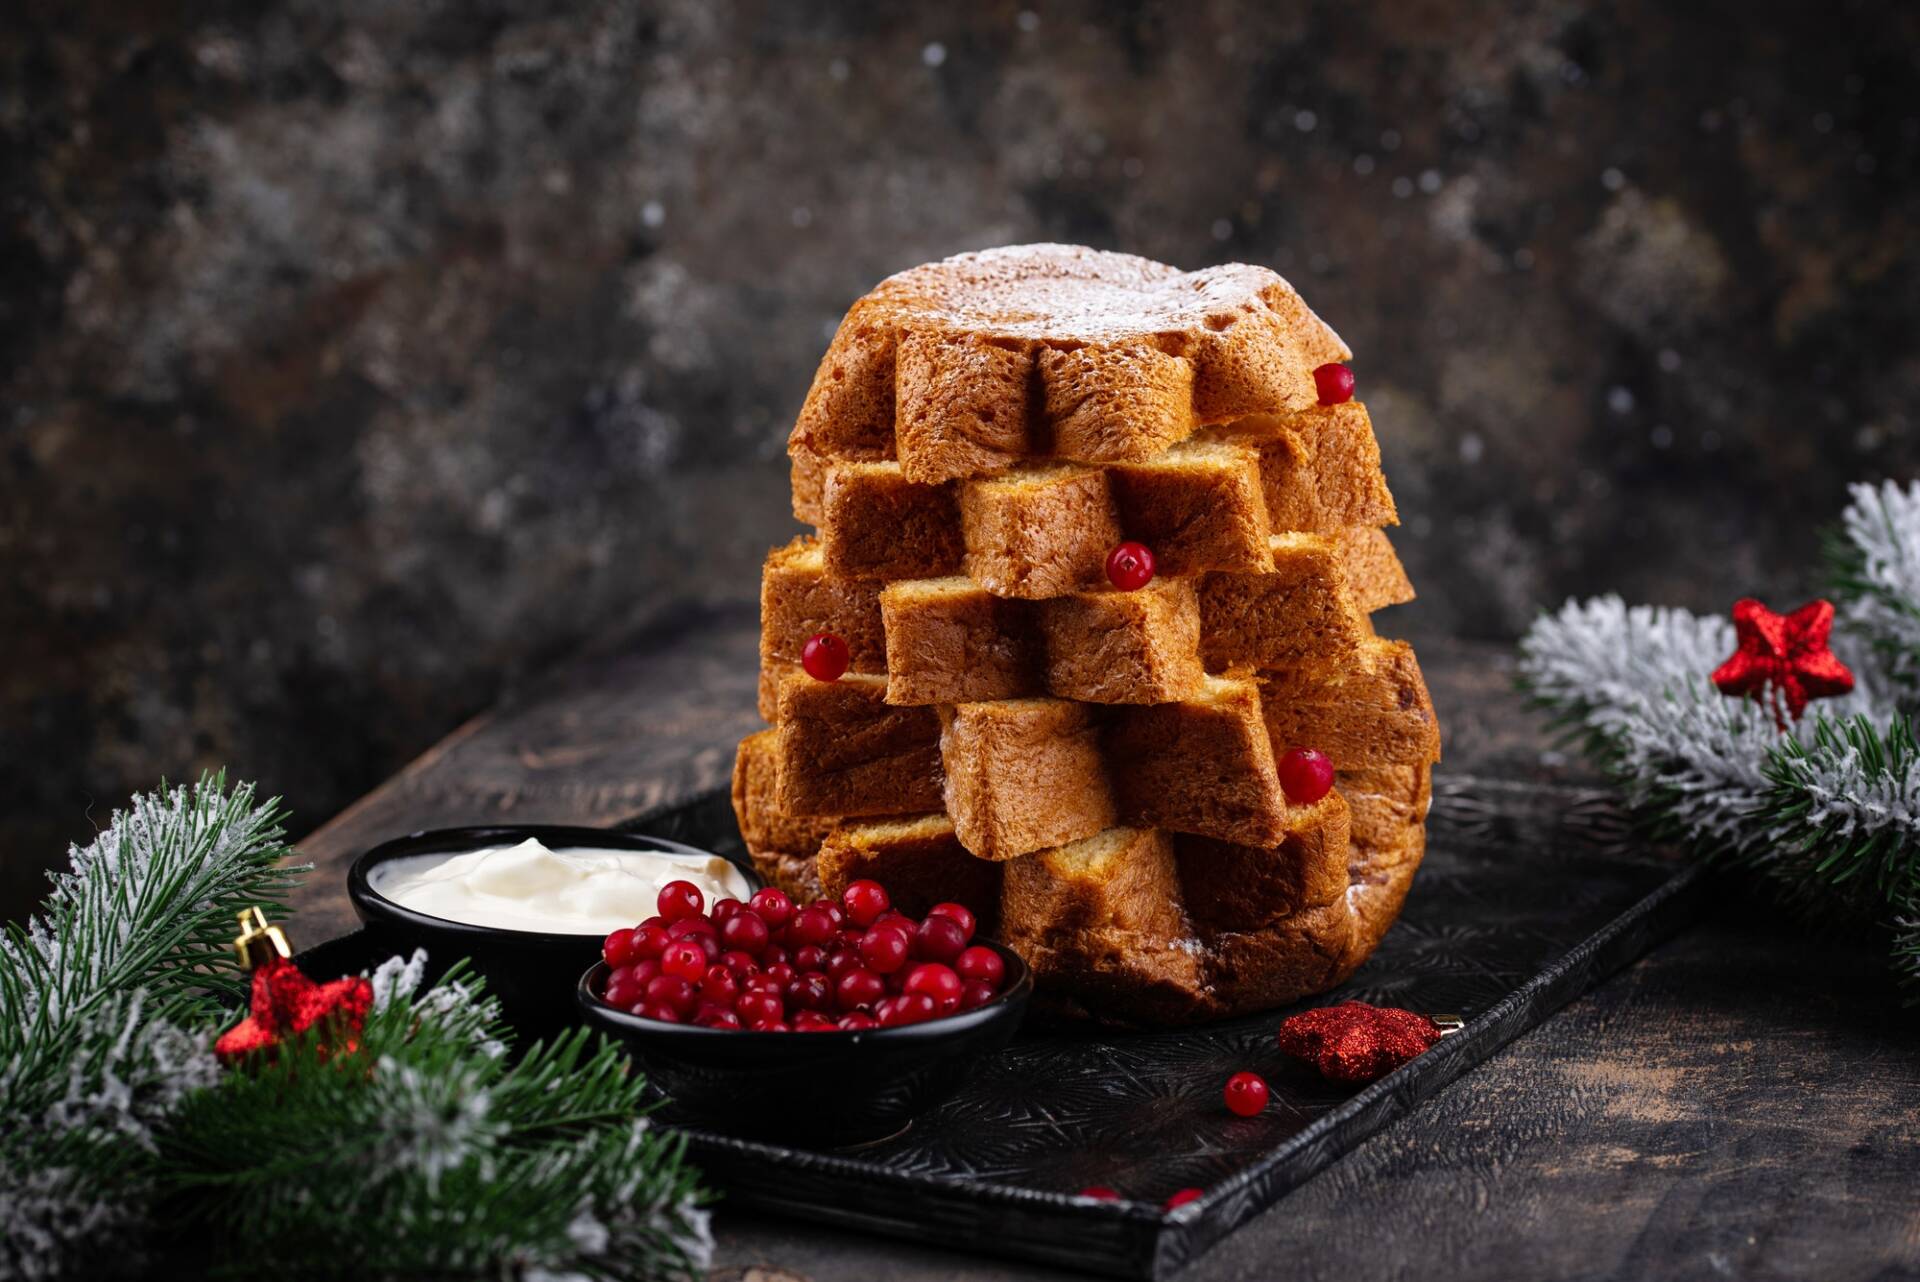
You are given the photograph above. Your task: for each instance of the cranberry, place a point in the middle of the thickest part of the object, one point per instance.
(1334, 383)
(691, 926)
(741, 964)
(680, 899)
(781, 973)
(759, 1008)
(658, 1010)
(937, 983)
(856, 1022)
(809, 957)
(1246, 1094)
(671, 991)
(744, 932)
(825, 657)
(1181, 1198)
(765, 983)
(835, 913)
(646, 968)
(773, 955)
(773, 906)
(857, 988)
(720, 986)
(723, 909)
(939, 939)
(908, 1008)
(976, 994)
(812, 1021)
(650, 941)
(619, 950)
(1099, 1192)
(1130, 566)
(811, 925)
(958, 913)
(894, 917)
(865, 901)
(839, 963)
(981, 963)
(884, 949)
(810, 992)
(686, 959)
(1306, 774)
(719, 1018)
(623, 990)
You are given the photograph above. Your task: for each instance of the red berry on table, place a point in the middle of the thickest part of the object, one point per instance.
(811, 925)
(670, 991)
(759, 1008)
(1334, 383)
(825, 657)
(1183, 1197)
(1246, 1094)
(856, 1022)
(977, 994)
(744, 932)
(937, 982)
(1130, 566)
(858, 988)
(884, 949)
(958, 913)
(865, 901)
(1099, 1192)
(981, 963)
(773, 906)
(939, 939)
(619, 949)
(686, 959)
(680, 900)
(1306, 774)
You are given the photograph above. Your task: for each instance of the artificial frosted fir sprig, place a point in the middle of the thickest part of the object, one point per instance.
(1827, 807)
(429, 1150)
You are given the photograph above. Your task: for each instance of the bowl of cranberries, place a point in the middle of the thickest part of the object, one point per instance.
(833, 1022)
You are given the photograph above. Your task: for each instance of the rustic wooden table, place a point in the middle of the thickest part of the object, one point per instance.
(1745, 1102)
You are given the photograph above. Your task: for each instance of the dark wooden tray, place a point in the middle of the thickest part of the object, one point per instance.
(1528, 896)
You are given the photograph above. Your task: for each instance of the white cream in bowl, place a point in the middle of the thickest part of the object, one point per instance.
(571, 891)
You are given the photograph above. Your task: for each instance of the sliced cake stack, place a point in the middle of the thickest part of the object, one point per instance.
(1097, 547)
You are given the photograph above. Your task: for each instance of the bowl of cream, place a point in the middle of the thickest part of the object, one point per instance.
(528, 904)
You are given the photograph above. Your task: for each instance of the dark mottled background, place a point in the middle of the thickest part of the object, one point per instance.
(360, 358)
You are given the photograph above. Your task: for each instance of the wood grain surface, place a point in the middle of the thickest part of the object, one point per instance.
(1744, 1103)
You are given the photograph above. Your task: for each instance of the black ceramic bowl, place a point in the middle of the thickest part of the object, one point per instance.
(833, 1089)
(530, 971)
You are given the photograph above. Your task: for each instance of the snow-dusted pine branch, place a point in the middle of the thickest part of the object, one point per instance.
(1828, 808)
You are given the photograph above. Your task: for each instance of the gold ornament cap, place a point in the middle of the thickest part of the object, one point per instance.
(259, 942)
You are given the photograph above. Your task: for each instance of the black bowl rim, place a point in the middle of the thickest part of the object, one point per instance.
(1015, 996)
(371, 904)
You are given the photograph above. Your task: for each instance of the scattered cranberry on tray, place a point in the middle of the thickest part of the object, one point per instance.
(768, 966)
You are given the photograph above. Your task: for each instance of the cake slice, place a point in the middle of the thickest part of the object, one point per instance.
(918, 859)
(842, 750)
(1201, 766)
(1111, 404)
(781, 845)
(798, 599)
(1374, 572)
(1023, 774)
(1230, 886)
(1100, 922)
(1197, 505)
(1377, 714)
(878, 524)
(961, 405)
(1319, 468)
(1298, 613)
(1041, 531)
(952, 641)
(1110, 646)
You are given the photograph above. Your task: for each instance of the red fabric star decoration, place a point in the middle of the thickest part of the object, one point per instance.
(1354, 1042)
(1783, 656)
(287, 1003)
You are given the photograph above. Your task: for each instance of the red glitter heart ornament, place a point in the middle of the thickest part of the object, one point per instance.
(1783, 657)
(1354, 1042)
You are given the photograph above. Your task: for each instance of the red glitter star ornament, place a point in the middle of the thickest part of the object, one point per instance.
(1354, 1042)
(1783, 657)
(286, 1003)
